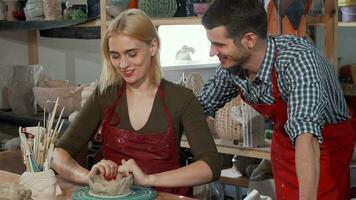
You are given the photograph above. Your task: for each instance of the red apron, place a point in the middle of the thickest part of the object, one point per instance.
(153, 152)
(335, 153)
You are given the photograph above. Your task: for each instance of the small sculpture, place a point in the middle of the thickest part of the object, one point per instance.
(184, 53)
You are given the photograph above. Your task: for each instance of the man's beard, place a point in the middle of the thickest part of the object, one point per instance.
(236, 69)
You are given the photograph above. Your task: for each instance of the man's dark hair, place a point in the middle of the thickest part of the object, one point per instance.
(238, 16)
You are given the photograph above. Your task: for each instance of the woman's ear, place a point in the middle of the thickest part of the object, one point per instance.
(154, 47)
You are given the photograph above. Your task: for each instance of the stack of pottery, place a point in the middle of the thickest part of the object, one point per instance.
(34, 10)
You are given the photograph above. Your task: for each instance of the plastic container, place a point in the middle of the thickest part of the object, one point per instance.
(348, 13)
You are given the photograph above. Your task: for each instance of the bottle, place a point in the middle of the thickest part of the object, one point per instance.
(133, 4)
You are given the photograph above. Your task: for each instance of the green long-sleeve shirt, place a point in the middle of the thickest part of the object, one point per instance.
(184, 109)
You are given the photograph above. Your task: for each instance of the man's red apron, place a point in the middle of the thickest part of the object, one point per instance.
(153, 152)
(335, 153)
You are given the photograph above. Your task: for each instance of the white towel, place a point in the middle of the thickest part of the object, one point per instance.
(255, 195)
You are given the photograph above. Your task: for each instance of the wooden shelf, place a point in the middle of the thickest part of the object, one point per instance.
(227, 147)
(315, 20)
(346, 24)
(37, 25)
(177, 21)
(156, 21)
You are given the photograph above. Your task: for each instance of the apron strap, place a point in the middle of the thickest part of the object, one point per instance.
(165, 108)
(111, 116)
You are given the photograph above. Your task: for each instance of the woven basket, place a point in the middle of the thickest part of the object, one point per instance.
(69, 98)
(238, 121)
(195, 82)
(225, 126)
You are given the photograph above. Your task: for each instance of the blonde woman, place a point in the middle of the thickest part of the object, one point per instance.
(142, 117)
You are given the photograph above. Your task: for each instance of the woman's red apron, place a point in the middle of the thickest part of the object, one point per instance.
(335, 153)
(153, 152)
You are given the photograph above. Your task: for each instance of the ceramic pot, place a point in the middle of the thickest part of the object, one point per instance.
(43, 184)
(34, 10)
(163, 8)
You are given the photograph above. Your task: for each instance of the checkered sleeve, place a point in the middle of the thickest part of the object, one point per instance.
(305, 103)
(219, 90)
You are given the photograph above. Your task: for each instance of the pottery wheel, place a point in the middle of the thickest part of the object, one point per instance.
(137, 193)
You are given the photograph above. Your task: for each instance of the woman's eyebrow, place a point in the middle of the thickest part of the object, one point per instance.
(126, 51)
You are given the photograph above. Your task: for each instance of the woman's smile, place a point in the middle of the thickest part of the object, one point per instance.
(127, 73)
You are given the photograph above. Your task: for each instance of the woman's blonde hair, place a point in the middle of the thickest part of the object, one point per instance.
(134, 23)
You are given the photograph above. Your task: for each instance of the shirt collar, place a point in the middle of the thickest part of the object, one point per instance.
(264, 73)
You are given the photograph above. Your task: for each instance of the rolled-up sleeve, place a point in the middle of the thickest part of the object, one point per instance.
(306, 103)
(219, 90)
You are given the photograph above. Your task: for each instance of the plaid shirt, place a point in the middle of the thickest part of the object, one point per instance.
(306, 82)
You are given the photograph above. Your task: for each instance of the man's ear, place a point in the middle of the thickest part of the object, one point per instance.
(249, 40)
(154, 47)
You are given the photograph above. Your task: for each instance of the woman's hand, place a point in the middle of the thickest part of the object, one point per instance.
(105, 168)
(131, 167)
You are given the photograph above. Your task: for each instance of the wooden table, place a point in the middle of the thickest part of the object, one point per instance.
(68, 188)
(227, 147)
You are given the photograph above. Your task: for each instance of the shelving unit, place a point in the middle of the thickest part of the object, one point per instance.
(329, 21)
(156, 21)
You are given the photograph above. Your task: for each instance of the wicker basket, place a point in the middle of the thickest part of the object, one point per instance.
(238, 121)
(225, 126)
(195, 82)
(69, 98)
